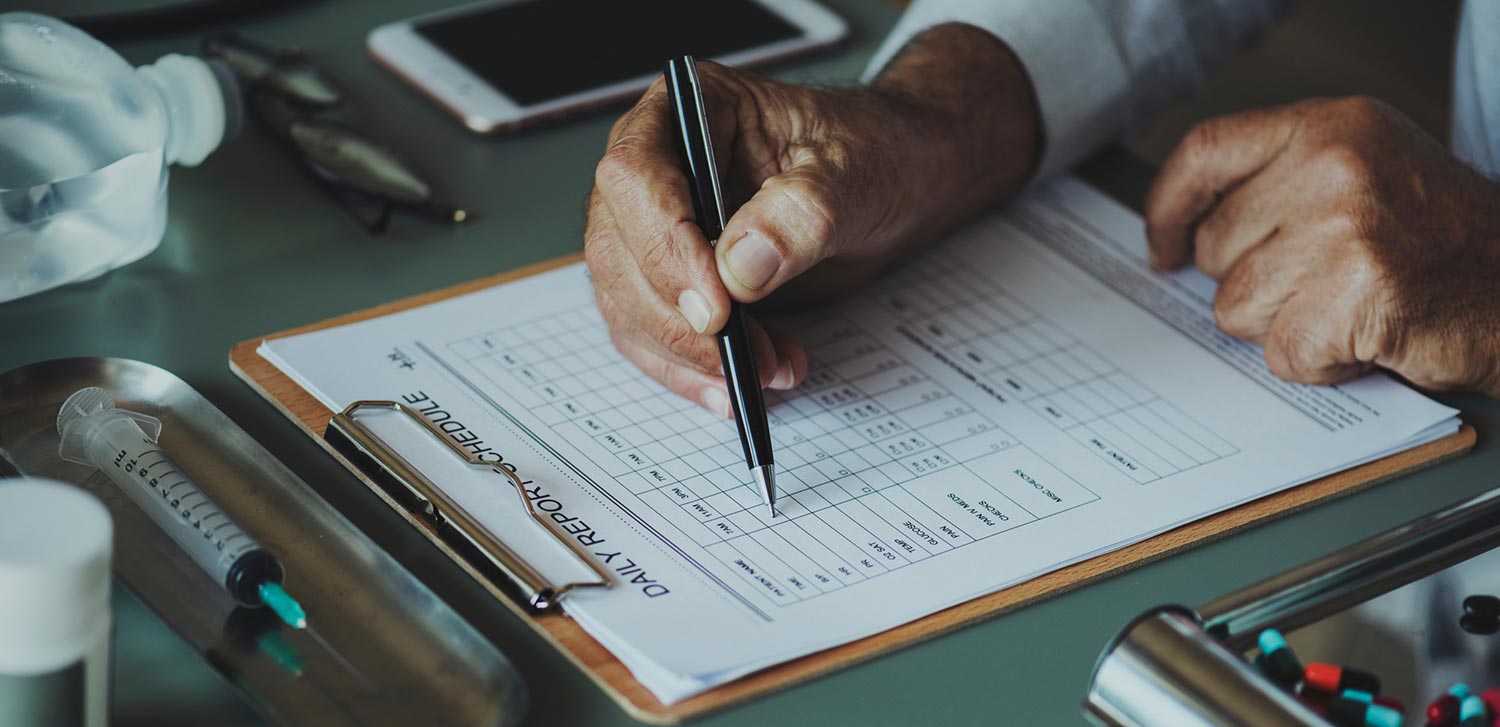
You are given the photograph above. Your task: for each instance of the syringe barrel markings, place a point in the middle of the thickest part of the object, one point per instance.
(117, 442)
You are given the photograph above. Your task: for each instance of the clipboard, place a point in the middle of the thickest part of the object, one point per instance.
(611, 675)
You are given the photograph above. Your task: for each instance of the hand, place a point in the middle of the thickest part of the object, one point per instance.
(1343, 238)
(829, 187)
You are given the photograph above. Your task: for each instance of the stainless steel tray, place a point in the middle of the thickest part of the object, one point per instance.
(380, 649)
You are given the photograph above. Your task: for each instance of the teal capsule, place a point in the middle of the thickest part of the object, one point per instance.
(1277, 659)
(1471, 706)
(1270, 640)
(1353, 712)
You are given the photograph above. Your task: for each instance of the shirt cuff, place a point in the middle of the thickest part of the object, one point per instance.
(1066, 48)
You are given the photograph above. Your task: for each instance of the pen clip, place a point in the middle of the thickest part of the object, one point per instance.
(440, 509)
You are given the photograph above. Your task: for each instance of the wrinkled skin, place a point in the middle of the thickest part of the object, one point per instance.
(826, 187)
(1344, 238)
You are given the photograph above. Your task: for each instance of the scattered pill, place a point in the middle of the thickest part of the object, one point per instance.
(1491, 698)
(1485, 607)
(1335, 679)
(1443, 711)
(1479, 626)
(1277, 660)
(1390, 703)
(1315, 700)
(1355, 713)
(1470, 709)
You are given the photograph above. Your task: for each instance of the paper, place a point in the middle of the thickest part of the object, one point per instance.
(1025, 396)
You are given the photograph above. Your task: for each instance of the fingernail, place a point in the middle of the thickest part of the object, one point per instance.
(782, 381)
(752, 261)
(695, 309)
(717, 401)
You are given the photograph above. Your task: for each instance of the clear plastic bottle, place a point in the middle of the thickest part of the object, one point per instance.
(85, 142)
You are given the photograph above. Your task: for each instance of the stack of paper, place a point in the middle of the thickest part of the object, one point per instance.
(1026, 396)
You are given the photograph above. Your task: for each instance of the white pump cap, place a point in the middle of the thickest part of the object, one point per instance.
(55, 544)
(201, 112)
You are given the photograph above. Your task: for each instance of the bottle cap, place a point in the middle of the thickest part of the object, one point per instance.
(195, 103)
(55, 545)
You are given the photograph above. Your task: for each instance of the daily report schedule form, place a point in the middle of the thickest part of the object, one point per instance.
(1024, 396)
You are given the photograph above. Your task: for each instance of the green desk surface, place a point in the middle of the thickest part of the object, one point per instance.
(254, 246)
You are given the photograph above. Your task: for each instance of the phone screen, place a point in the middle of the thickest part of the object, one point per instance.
(539, 50)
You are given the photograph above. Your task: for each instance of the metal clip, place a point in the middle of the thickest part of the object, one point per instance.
(540, 593)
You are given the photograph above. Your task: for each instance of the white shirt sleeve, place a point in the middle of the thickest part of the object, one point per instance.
(1099, 67)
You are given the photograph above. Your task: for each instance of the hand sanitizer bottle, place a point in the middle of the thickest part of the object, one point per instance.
(85, 142)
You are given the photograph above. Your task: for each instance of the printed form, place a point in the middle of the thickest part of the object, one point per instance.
(1025, 396)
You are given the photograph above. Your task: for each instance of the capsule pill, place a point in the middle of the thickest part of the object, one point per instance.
(1485, 607)
(1277, 660)
(1334, 679)
(1479, 626)
(1443, 711)
(1348, 712)
(1491, 699)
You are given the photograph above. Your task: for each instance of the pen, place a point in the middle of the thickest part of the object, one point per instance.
(697, 151)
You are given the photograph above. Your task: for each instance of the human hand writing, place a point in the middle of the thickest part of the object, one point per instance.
(829, 187)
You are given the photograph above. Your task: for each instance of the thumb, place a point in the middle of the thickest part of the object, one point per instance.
(791, 224)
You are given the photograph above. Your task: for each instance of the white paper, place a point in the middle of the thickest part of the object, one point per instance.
(1025, 396)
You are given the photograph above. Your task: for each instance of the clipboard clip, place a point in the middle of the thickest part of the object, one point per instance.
(441, 510)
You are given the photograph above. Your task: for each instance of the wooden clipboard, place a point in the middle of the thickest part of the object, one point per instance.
(605, 670)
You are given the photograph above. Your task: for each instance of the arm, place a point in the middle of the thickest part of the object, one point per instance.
(1099, 67)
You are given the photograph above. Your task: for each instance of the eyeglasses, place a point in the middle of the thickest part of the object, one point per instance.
(296, 101)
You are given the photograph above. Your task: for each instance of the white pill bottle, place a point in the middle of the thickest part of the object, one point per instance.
(55, 621)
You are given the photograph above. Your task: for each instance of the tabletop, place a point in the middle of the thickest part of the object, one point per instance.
(253, 246)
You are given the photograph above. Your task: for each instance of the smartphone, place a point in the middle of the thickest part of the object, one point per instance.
(505, 64)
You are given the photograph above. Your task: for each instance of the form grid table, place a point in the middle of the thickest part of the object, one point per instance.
(879, 465)
(1015, 352)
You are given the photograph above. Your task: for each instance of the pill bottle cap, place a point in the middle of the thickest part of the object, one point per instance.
(55, 545)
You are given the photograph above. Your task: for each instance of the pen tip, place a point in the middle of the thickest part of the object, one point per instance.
(765, 477)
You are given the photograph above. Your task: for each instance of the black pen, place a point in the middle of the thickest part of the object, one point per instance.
(697, 151)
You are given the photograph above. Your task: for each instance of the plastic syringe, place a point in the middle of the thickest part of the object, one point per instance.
(123, 444)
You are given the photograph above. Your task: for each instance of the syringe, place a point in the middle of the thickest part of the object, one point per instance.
(124, 445)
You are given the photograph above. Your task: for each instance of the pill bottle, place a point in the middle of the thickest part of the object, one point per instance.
(55, 545)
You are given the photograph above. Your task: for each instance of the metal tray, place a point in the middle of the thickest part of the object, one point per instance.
(380, 648)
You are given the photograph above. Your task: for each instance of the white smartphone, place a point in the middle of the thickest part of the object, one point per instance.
(504, 64)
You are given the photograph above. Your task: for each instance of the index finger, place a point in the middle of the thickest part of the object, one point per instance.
(1214, 158)
(642, 184)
